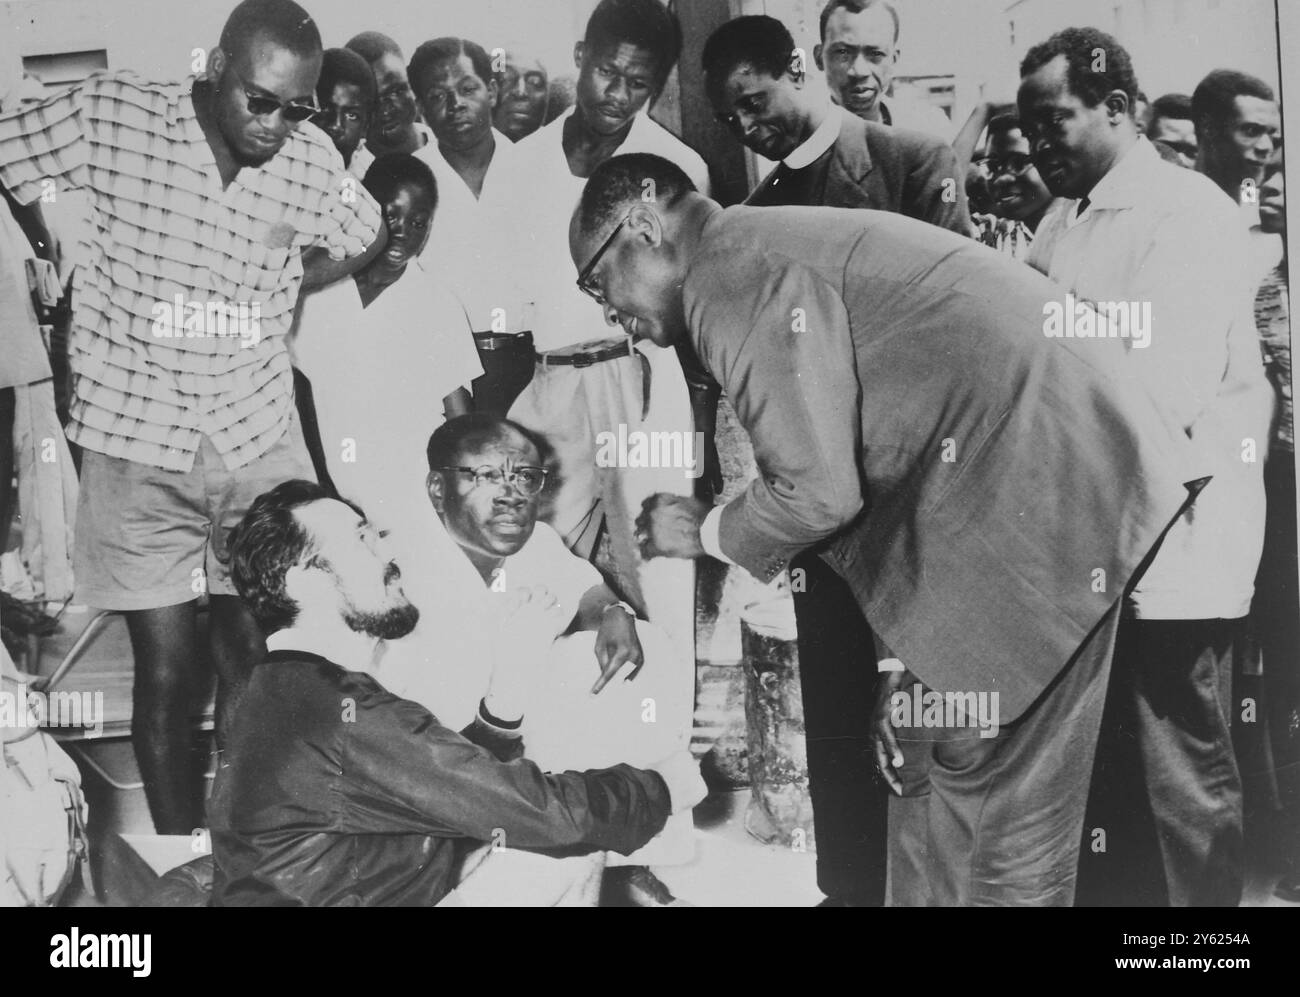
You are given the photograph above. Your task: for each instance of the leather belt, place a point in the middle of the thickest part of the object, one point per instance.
(502, 341)
(591, 357)
(586, 358)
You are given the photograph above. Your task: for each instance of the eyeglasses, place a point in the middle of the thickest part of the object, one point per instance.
(261, 107)
(529, 480)
(1016, 165)
(584, 278)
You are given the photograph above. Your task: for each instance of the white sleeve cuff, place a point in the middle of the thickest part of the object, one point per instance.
(890, 665)
(709, 535)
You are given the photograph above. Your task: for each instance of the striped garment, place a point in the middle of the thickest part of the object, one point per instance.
(188, 290)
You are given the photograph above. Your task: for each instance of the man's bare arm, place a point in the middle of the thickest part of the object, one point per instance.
(318, 269)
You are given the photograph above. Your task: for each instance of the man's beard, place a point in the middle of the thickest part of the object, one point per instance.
(390, 624)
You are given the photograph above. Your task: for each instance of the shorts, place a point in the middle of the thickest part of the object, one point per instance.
(148, 537)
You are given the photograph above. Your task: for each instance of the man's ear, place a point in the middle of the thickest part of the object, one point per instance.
(817, 56)
(796, 69)
(578, 49)
(1117, 105)
(216, 63)
(494, 93)
(434, 485)
(645, 223)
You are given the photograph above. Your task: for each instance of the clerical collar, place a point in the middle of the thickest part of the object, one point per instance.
(816, 144)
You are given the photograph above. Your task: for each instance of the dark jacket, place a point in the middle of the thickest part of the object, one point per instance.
(890, 169)
(335, 792)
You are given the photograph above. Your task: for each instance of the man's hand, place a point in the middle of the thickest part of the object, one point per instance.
(528, 621)
(883, 741)
(669, 526)
(318, 269)
(685, 784)
(617, 645)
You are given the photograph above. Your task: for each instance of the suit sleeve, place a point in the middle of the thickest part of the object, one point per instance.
(403, 771)
(784, 353)
(935, 188)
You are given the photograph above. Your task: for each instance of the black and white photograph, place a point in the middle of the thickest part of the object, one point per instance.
(629, 453)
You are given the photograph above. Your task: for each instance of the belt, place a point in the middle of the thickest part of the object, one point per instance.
(502, 341)
(588, 358)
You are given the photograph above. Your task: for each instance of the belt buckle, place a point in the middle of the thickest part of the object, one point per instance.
(584, 359)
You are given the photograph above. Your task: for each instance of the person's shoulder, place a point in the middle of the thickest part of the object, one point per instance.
(660, 141)
(310, 144)
(108, 92)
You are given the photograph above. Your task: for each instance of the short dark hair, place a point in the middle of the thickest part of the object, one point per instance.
(646, 24)
(281, 21)
(1172, 105)
(391, 170)
(1003, 123)
(1079, 46)
(342, 65)
(467, 432)
(622, 179)
(266, 543)
(856, 7)
(441, 49)
(370, 45)
(762, 41)
(1213, 97)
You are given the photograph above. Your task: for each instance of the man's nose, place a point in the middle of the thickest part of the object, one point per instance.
(746, 123)
(617, 91)
(611, 314)
(860, 67)
(520, 89)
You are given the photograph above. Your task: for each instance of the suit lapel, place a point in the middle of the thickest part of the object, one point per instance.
(849, 167)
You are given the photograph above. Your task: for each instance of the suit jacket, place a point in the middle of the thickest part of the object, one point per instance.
(891, 169)
(986, 491)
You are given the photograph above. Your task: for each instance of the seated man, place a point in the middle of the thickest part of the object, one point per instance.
(333, 791)
(388, 352)
(484, 544)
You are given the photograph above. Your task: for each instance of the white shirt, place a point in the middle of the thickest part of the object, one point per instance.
(473, 240)
(379, 375)
(823, 138)
(1157, 233)
(445, 664)
(565, 316)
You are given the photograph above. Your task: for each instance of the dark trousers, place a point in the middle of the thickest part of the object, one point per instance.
(837, 668)
(1275, 616)
(506, 372)
(1166, 800)
(995, 821)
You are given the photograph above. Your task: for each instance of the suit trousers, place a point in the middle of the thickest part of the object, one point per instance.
(1002, 815)
(837, 672)
(1167, 793)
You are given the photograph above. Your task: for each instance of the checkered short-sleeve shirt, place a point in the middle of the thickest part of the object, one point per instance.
(188, 290)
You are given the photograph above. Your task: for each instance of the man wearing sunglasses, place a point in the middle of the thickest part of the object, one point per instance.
(601, 671)
(212, 203)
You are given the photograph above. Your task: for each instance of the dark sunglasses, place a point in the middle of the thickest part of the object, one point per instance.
(263, 107)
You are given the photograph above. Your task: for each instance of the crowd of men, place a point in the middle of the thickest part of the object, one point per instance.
(1019, 398)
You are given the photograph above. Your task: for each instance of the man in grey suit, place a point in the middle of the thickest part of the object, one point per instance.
(987, 491)
(756, 79)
